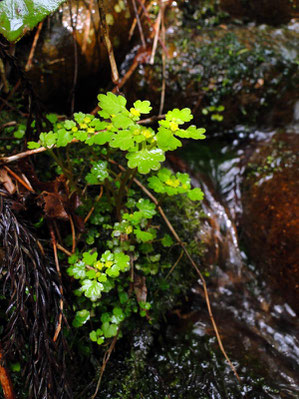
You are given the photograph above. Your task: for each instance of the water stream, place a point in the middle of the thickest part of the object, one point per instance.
(259, 328)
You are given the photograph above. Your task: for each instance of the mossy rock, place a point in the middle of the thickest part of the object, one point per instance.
(226, 76)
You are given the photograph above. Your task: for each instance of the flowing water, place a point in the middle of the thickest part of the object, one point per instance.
(259, 329)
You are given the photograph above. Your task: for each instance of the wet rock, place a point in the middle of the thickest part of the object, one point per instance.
(262, 11)
(226, 75)
(54, 66)
(271, 213)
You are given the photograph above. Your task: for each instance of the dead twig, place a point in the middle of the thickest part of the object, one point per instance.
(54, 244)
(75, 45)
(108, 44)
(150, 120)
(175, 265)
(92, 208)
(133, 26)
(34, 43)
(139, 23)
(20, 155)
(152, 25)
(8, 124)
(73, 234)
(157, 27)
(105, 361)
(162, 98)
(62, 249)
(21, 181)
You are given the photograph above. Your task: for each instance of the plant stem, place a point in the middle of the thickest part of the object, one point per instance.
(121, 192)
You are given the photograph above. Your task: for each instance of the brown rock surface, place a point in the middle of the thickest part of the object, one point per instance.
(54, 68)
(271, 213)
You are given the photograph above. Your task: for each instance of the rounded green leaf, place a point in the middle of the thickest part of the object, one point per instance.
(196, 194)
(144, 107)
(146, 160)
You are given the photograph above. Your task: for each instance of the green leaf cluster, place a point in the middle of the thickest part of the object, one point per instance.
(124, 231)
(167, 182)
(94, 274)
(118, 127)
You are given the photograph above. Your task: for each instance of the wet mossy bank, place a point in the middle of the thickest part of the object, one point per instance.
(226, 74)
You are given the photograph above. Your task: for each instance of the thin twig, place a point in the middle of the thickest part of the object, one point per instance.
(175, 265)
(105, 361)
(34, 43)
(75, 45)
(157, 27)
(8, 124)
(152, 119)
(162, 98)
(108, 44)
(139, 24)
(152, 25)
(128, 74)
(20, 155)
(73, 234)
(21, 181)
(133, 26)
(68, 253)
(54, 244)
(5, 379)
(92, 208)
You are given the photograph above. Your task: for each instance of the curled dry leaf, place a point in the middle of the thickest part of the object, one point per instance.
(53, 206)
(8, 184)
(140, 288)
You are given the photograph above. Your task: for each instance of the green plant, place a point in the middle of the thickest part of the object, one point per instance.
(215, 112)
(125, 241)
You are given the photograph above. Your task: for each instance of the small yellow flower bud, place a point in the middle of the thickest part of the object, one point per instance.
(134, 112)
(99, 265)
(173, 126)
(147, 134)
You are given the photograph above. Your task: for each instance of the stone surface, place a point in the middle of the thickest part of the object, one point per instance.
(271, 213)
(54, 68)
